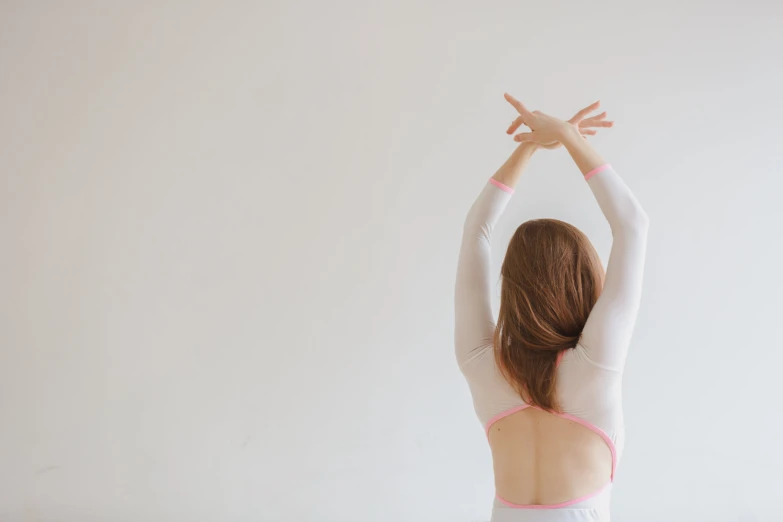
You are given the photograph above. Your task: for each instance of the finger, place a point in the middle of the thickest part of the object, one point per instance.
(524, 136)
(526, 116)
(588, 132)
(600, 117)
(595, 123)
(515, 125)
(579, 116)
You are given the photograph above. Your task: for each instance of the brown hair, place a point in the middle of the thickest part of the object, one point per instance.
(551, 279)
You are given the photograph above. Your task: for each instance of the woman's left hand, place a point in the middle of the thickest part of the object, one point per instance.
(586, 126)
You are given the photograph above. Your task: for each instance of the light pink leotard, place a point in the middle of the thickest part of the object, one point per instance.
(589, 375)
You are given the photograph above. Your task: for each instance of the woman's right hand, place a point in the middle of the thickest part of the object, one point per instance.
(549, 131)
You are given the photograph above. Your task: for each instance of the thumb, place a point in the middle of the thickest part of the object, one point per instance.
(524, 136)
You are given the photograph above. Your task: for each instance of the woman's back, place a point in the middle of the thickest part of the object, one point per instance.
(551, 460)
(559, 460)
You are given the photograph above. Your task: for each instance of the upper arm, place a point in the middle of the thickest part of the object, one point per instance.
(474, 322)
(609, 327)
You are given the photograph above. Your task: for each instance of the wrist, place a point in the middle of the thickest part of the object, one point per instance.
(529, 147)
(569, 134)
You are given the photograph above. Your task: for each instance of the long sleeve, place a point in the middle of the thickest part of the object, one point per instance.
(474, 322)
(609, 327)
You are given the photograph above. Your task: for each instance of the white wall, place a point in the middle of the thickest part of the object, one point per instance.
(229, 235)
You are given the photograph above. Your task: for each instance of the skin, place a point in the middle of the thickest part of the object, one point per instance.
(549, 132)
(560, 459)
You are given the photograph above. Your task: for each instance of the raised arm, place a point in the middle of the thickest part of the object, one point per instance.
(474, 323)
(474, 320)
(609, 327)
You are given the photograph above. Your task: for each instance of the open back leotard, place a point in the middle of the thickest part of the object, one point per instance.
(589, 375)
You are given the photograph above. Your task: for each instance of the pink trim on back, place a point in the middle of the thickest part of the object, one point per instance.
(597, 430)
(554, 506)
(506, 413)
(596, 171)
(570, 417)
(501, 186)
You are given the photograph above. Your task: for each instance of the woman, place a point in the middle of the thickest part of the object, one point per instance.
(546, 381)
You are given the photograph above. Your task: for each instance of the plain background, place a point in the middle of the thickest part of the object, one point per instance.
(229, 237)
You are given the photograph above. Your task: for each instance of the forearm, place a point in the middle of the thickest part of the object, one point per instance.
(583, 154)
(619, 206)
(510, 172)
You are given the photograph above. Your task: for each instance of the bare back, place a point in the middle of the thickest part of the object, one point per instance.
(540, 458)
(568, 460)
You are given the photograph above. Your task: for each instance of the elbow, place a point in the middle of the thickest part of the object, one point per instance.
(641, 221)
(477, 230)
(468, 223)
(638, 225)
(475, 226)
(637, 218)
(633, 223)
(473, 218)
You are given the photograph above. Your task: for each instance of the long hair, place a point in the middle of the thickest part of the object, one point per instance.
(551, 279)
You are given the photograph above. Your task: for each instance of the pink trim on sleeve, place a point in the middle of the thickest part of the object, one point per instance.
(596, 171)
(501, 186)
